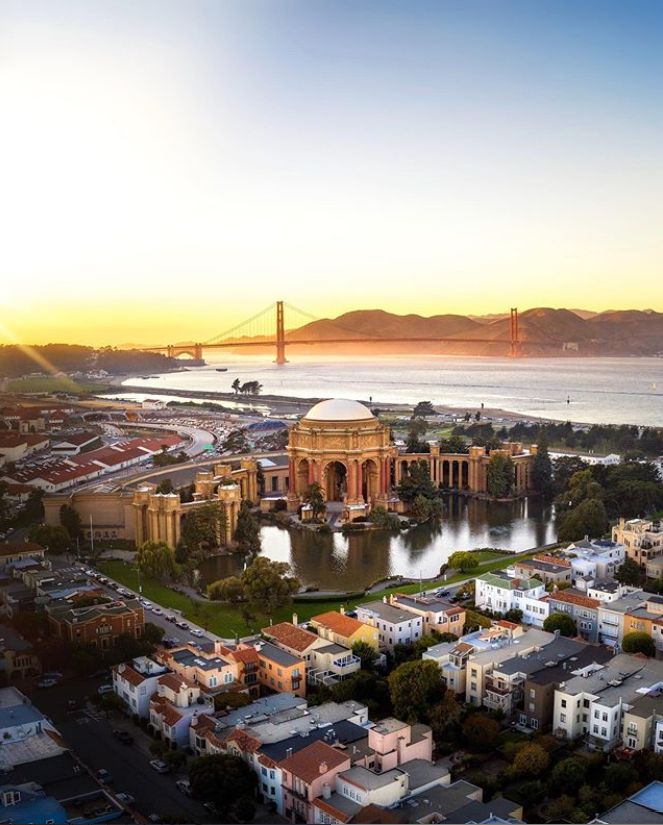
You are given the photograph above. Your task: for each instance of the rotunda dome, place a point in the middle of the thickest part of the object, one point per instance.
(339, 409)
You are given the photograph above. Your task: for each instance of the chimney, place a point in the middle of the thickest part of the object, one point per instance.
(341, 610)
(288, 753)
(385, 600)
(326, 791)
(323, 768)
(295, 619)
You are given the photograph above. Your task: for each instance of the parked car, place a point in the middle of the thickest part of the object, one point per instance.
(442, 594)
(145, 603)
(47, 683)
(124, 736)
(184, 786)
(52, 674)
(171, 618)
(104, 776)
(196, 631)
(125, 798)
(103, 689)
(159, 766)
(183, 625)
(157, 611)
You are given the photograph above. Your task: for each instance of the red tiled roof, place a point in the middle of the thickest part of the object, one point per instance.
(562, 562)
(9, 548)
(130, 675)
(173, 681)
(289, 635)
(338, 623)
(507, 624)
(573, 598)
(314, 760)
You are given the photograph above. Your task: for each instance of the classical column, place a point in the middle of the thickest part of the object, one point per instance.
(360, 477)
(387, 475)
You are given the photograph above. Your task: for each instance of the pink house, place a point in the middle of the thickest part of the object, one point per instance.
(396, 742)
(308, 774)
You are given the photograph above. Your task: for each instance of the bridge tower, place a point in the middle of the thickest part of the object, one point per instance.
(280, 335)
(198, 352)
(515, 343)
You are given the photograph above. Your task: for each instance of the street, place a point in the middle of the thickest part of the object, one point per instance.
(89, 734)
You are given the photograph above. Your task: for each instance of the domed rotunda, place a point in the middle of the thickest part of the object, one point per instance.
(343, 447)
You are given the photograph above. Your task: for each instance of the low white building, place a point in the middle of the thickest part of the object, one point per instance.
(500, 592)
(137, 682)
(394, 624)
(592, 703)
(594, 560)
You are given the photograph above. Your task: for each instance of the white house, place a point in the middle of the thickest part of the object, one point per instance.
(137, 682)
(500, 592)
(394, 625)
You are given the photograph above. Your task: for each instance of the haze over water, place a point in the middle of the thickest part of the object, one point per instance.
(601, 390)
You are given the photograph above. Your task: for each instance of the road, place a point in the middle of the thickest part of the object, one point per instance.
(90, 735)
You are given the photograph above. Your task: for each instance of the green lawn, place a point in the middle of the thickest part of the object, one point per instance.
(227, 621)
(53, 384)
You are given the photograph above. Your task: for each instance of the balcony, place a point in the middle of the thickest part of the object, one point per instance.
(345, 662)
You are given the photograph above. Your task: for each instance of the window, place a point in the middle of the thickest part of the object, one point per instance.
(563, 703)
(604, 731)
(562, 717)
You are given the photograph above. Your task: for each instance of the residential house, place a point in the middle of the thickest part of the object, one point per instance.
(439, 616)
(326, 662)
(549, 572)
(18, 658)
(583, 610)
(395, 625)
(645, 805)
(211, 672)
(13, 551)
(592, 704)
(279, 670)
(137, 682)
(21, 804)
(505, 685)
(593, 560)
(466, 665)
(341, 629)
(642, 539)
(612, 616)
(174, 704)
(641, 720)
(99, 624)
(500, 592)
(309, 774)
(539, 688)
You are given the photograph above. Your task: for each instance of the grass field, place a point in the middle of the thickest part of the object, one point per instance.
(228, 622)
(53, 384)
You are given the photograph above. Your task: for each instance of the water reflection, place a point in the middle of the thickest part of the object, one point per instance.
(337, 562)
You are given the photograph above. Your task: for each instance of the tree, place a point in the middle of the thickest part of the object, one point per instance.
(568, 776)
(247, 532)
(416, 481)
(229, 590)
(463, 560)
(156, 560)
(315, 499)
(582, 487)
(414, 687)
(564, 468)
(236, 384)
(639, 642)
(618, 776)
(421, 508)
(562, 622)
(165, 487)
(203, 527)
(222, 780)
(481, 731)
(267, 586)
(70, 520)
(629, 572)
(367, 653)
(423, 409)
(531, 760)
(444, 718)
(499, 475)
(589, 518)
(542, 471)
(55, 539)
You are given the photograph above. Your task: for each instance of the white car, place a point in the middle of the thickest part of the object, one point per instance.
(146, 604)
(125, 798)
(103, 689)
(195, 631)
(157, 611)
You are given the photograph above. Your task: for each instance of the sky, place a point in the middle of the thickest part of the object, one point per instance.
(169, 168)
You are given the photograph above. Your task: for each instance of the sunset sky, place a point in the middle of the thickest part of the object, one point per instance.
(169, 168)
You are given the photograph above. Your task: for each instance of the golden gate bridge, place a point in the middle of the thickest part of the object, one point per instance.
(267, 328)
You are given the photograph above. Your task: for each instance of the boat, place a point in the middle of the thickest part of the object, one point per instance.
(222, 369)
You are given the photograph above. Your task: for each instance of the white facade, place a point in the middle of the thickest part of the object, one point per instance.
(394, 625)
(502, 593)
(137, 692)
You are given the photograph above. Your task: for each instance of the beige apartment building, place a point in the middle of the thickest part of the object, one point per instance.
(642, 539)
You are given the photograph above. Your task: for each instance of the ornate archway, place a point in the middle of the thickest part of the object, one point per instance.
(370, 475)
(335, 481)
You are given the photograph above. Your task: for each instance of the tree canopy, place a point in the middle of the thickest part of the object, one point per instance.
(562, 622)
(247, 532)
(639, 642)
(414, 687)
(499, 475)
(156, 560)
(221, 779)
